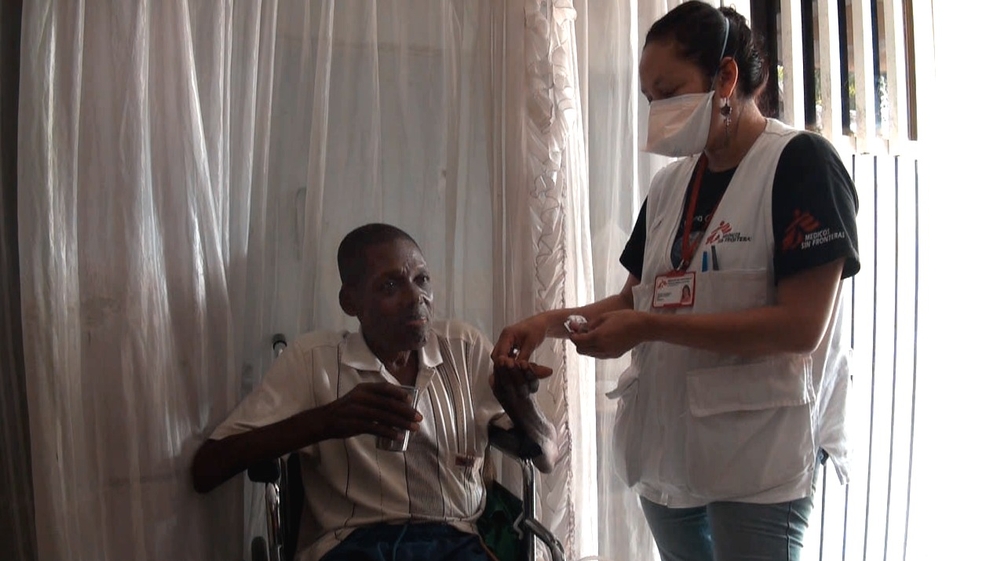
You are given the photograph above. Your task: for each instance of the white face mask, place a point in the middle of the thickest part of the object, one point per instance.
(678, 126)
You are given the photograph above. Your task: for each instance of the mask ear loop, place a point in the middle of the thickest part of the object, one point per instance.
(727, 109)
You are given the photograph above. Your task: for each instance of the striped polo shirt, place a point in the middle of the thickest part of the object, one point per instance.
(349, 483)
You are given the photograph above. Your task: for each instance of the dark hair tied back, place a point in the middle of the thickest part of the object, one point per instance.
(697, 28)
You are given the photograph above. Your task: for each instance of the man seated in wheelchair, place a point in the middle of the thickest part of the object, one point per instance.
(331, 396)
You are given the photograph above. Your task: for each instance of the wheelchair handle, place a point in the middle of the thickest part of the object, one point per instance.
(278, 344)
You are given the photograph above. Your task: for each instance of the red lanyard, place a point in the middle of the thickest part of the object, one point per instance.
(687, 247)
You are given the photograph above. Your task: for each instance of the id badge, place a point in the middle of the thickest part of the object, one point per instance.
(673, 290)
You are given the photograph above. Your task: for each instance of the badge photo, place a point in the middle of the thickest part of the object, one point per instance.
(673, 290)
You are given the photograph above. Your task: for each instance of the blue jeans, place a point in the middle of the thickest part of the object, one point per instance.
(731, 531)
(409, 542)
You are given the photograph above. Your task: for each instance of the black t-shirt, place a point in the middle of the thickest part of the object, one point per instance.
(813, 196)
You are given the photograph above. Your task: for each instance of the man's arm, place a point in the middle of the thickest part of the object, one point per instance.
(218, 460)
(381, 409)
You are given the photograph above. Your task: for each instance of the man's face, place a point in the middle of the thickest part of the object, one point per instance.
(393, 301)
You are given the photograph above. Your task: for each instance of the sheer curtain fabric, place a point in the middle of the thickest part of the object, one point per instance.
(186, 170)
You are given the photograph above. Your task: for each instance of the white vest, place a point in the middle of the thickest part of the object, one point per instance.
(693, 426)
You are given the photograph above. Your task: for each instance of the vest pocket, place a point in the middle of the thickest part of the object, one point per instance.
(624, 434)
(642, 296)
(749, 427)
(729, 291)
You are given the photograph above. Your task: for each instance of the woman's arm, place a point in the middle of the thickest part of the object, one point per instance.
(526, 335)
(796, 323)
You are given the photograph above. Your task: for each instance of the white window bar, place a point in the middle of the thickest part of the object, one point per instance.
(793, 79)
(832, 115)
(895, 125)
(865, 87)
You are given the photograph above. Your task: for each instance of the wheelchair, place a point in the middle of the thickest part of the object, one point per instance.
(284, 498)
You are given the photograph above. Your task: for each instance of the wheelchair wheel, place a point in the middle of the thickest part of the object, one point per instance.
(258, 550)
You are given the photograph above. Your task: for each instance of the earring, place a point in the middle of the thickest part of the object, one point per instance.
(727, 112)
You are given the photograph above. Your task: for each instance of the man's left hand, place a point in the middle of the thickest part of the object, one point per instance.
(516, 379)
(514, 383)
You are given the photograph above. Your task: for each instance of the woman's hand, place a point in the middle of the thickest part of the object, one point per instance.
(520, 339)
(611, 335)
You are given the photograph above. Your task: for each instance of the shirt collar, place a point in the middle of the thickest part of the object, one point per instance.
(358, 356)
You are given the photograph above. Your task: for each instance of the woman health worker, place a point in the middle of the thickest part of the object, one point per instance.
(731, 310)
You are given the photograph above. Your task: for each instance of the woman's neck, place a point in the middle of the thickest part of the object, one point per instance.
(747, 124)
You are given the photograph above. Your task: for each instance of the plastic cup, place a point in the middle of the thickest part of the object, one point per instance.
(391, 444)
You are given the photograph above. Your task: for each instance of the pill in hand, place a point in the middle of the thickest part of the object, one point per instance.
(576, 324)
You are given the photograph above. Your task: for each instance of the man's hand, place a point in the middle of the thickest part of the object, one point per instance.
(610, 335)
(381, 409)
(514, 383)
(516, 379)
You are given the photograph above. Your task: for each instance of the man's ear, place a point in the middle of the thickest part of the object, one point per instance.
(729, 75)
(348, 301)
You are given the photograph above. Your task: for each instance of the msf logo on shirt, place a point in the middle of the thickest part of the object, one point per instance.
(805, 232)
(723, 233)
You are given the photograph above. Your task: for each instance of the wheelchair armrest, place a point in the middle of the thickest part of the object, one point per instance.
(267, 471)
(513, 442)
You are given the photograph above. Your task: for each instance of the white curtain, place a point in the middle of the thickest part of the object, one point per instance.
(538, 170)
(610, 36)
(185, 172)
(129, 345)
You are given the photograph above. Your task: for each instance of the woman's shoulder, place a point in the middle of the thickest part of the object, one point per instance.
(811, 155)
(810, 164)
(798, 141)
(809, 145)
